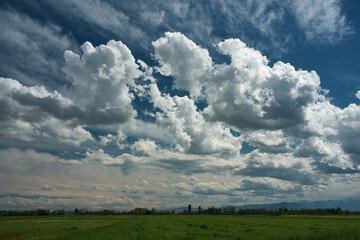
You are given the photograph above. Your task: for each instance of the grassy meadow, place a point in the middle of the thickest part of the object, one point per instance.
(180, 227)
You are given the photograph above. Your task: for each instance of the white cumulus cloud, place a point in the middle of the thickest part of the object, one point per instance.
(181, 58)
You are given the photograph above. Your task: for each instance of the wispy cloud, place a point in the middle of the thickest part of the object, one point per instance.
(30, 49)
(322, 21)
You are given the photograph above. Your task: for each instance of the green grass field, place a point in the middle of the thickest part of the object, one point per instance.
(180, 227)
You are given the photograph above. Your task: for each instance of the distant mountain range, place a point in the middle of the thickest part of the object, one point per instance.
(352, 204)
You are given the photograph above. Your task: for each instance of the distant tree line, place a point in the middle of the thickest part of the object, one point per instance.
(189, 211)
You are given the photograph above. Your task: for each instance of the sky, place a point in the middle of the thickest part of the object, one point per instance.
(121, 104)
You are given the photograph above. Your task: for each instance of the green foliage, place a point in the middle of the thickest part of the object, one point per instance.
(142, 211)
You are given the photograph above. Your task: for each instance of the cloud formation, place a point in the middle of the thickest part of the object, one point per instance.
(275, 108)
(27, 114)
(101, 78)
(180, 57)
(191, 132)
(100, 94)
(299, 138)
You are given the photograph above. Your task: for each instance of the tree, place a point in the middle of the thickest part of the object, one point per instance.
(189, 208)
(43, 212)
(232, 210)
(153, 211)
(338, 210)
(212, 210)
(76, 211)
(199, 210)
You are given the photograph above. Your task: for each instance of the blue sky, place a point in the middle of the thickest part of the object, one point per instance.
(123, 104)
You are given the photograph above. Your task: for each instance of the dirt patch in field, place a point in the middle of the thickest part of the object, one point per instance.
(4, 236)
